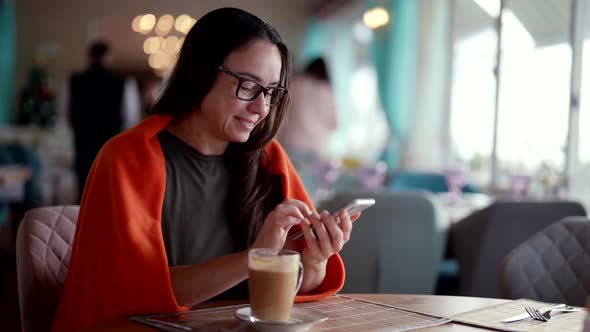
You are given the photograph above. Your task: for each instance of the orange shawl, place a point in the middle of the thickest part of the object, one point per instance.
(118, 265)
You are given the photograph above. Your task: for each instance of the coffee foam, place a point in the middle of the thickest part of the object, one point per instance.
(285, 263)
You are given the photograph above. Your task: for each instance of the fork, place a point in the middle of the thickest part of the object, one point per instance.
(537, 315)
(546, 313)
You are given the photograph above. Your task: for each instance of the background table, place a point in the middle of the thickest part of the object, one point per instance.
(12, 182)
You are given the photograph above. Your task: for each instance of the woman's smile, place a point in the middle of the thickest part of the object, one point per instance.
(250, 124)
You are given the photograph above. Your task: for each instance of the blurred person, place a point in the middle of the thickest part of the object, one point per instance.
(98, 103)
(172, 206)
(312, 113)
(312, 117)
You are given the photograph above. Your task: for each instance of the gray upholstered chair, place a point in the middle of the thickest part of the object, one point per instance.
(481, 240)
(396, 246)
(43, 244)
(551, 266)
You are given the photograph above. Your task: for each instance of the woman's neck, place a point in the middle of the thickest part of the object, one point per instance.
(187, 128)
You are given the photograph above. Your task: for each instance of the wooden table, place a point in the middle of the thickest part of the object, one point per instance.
(430, 304)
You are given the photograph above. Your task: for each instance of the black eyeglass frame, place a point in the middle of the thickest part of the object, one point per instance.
(263, 89)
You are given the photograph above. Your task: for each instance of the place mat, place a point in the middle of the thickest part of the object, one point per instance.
(351, 314)
(492, 316)
(344, 314)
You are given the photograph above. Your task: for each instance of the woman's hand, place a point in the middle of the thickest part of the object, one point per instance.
(278, 223)
(327, 238)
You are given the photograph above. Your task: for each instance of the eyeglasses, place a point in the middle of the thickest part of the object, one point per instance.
(249, 90)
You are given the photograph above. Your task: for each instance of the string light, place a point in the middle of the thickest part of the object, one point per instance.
(135, 23)
(164, 25)
(184, 23)
(153, 44)
(376, 17)
(164, 46)
(146, 23)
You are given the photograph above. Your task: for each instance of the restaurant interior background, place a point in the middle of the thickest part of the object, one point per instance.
(487, 93)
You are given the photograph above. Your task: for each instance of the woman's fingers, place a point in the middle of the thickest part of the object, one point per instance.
(302, 207)
(278, 223)
(346, 226)
(283, 219)
(308, 234)
(323, 235)
(334, 227)
(319, 229)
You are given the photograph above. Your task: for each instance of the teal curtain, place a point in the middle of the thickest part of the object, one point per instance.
(7, 58)
(314, 40)
(394, 51)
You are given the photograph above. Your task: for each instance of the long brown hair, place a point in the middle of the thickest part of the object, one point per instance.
(212, 38)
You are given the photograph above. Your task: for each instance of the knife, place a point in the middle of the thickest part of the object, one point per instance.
(525, 315)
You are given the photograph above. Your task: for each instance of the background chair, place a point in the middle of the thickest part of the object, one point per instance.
(43, 244)
(481, 240)
(551, 266)
(396, 246)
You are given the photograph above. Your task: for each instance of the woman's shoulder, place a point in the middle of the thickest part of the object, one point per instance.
(278, 158)
(145, 130)
(138, 138)
(274, 149)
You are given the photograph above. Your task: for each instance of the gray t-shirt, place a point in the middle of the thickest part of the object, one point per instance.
(196, 224)
(195, 219)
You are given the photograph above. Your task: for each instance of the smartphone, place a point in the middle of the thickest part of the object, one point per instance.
(352, 207)
(355, 206)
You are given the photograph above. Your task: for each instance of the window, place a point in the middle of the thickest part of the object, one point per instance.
(533, 107)
(473, 89)
(579, 185)
(533, 91)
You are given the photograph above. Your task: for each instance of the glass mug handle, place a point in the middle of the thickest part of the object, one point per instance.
(299, 279)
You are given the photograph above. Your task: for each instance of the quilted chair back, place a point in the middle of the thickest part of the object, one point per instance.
(551, 266)
(44, 243)
(481, 240)
(396, 246)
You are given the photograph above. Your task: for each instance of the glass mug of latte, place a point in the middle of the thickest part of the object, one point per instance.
(274, 278)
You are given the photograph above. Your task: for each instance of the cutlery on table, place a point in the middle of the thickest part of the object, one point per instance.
(527, 316)
(537, 315)
(545, 316)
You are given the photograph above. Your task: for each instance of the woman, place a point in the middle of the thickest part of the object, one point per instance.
(171, 206)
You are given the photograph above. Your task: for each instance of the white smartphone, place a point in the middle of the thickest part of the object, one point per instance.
(354, 206)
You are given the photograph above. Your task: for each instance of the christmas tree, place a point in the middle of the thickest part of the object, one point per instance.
(37, 102)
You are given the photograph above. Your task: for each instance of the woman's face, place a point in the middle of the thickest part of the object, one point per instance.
(227, 118)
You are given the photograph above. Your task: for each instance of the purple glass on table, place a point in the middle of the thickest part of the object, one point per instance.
(372, 177)
(327, 173)
(519, 184)
(455, 180)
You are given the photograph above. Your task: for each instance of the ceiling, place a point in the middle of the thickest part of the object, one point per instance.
(548, 21)
(114, 6)
(66, 26)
